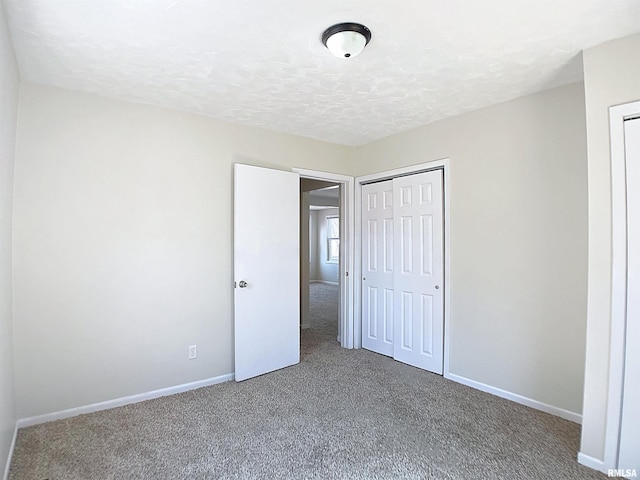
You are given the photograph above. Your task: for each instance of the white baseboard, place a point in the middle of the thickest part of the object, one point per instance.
(591, 462)
(10, 455)
(514, 397)
(326, 282)
(119, 402)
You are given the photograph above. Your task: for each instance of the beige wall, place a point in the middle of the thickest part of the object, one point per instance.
(8, 109)
(518, 190)
(313, 245)
(305, 251)
(122, 243)
(612, 77)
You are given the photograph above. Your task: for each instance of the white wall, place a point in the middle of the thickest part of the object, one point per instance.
(305, 260)
(612, 77)
(323, 201)
(518, 181)
(9, 81)
(324, 271)
(123, 243)
(313, 245)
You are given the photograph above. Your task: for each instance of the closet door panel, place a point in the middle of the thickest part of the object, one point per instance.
(418, 282)
(378, 267)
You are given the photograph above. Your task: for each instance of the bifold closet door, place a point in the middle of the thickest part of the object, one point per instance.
(419, 273)
(402, 269)
(377, 267)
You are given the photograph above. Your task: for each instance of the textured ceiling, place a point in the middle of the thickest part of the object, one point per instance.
(261, 63)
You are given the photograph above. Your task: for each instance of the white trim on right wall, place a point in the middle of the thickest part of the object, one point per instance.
(514, 397)
(617, 116)
(591, 462)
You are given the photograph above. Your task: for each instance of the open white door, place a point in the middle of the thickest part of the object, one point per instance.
(266, 270)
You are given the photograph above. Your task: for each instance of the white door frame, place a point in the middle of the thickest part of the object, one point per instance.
(346, 248)
(617, 115)
(376, 177)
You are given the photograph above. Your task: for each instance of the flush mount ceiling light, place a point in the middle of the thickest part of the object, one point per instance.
(346, 40)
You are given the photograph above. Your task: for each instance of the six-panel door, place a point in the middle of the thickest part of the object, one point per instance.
(419, 272)
(403, 270)
(377, 267)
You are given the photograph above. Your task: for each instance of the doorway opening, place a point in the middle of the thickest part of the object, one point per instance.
(320, 218)
(326, 217)
(320, 279)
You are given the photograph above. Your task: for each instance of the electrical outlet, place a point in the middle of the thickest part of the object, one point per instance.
(193, 352)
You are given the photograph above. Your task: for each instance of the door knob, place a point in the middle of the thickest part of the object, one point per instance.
(242, 284)
(437, 287)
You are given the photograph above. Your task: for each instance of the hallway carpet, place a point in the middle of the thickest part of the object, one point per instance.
(323, 304)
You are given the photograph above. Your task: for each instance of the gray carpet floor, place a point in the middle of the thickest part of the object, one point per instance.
(339, 414)
(323, 305)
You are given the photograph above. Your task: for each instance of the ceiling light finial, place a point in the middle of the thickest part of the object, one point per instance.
(346, 40)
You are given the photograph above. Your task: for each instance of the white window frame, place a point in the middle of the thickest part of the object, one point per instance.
(329, 239)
